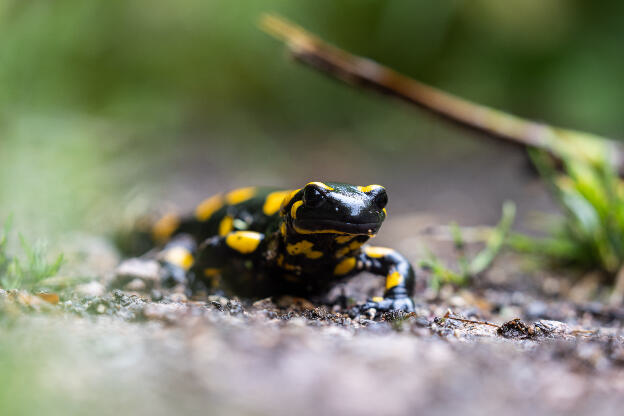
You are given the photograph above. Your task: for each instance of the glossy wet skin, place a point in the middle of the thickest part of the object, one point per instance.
(267, 241)
(339, 208)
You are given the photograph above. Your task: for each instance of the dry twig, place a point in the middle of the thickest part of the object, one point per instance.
(469, 321)
(362, 72)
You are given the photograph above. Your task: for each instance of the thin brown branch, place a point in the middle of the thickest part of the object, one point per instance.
(362, 72)
(469, 321)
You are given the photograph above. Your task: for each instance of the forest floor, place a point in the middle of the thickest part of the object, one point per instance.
(102, 351)
(105, 352)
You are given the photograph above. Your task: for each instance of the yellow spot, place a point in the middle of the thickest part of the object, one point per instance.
(385, 212)
(240, 195)
(377, 252)
(225, 226)
(287, 200)
(243, 241)
(342, 252)
(303, 247)
(345, 266)
(298, 248)
(377, 299)
(304, 231)
(347, 249)
(314, 255)
(368, 188)
(355, 245)
(179, 256)
(214, 276)
(344, 239)
(211, 271)
(208, 207)
(164, 227)
(321, 185)
(283, 229)
(273, 202)
(287, 266)
(293, 209)
(393, 279)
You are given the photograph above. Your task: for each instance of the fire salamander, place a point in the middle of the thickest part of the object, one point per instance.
(261, 242)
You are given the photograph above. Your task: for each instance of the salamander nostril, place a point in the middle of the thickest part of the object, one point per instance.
(313, 197)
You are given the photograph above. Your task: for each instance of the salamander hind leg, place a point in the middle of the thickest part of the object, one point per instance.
(177, 259)
(169, 266)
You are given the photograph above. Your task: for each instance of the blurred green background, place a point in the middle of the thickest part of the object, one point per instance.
(106, 106)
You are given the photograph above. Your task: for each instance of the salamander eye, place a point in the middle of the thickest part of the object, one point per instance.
(381, 199)
(313, 197)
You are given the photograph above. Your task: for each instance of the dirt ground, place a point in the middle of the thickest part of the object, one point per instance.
(143, 351)
(462, 351)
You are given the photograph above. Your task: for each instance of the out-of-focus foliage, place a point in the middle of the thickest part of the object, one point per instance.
(469, 268)
(194, 59)
(590, 234)
(31, 270)
(98, 96)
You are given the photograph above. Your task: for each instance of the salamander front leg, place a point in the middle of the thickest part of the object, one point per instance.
(399, 278)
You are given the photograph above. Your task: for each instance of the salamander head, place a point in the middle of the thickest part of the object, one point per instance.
(336, 208)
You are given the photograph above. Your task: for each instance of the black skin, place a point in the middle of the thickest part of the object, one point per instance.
(313, 241)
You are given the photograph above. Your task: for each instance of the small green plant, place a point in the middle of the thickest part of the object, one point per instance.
(469, 268)
(29, 272)
(590, 232)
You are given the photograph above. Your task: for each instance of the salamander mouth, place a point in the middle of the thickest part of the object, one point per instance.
(336, 227)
